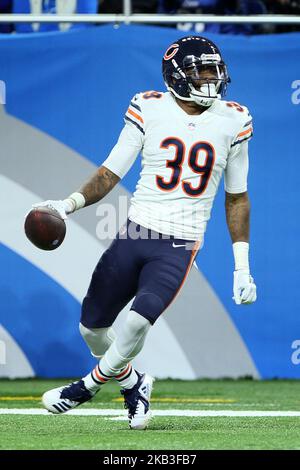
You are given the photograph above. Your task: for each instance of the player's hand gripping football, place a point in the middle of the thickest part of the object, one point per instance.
(62, 207)
(244, 289)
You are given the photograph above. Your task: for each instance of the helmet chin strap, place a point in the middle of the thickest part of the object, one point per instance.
(206, 96)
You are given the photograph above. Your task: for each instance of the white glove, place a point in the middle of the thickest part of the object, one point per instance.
(244, 289)
(62, 207)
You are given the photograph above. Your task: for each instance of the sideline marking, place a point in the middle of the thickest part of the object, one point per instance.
(121, 414)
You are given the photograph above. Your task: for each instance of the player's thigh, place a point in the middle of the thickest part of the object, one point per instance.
(114, 283)
(160, 281)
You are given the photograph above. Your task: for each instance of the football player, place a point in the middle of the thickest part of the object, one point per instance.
(188, 137)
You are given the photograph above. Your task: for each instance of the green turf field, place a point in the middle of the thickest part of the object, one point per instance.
(165, 432)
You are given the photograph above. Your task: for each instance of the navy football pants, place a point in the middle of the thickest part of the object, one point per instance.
(151, 270)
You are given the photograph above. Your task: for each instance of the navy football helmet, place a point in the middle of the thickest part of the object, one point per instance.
(193, 70)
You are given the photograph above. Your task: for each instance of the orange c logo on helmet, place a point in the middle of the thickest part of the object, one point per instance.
(171, 51)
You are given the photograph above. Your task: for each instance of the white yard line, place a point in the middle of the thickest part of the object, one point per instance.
(122, 414)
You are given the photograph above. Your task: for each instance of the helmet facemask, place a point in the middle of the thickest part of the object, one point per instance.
(205, 79)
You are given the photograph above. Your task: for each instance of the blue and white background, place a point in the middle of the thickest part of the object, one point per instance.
(66, 94)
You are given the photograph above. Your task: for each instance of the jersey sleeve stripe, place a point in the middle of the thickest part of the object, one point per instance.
(135, 123)
(242, 140)
(137, 116)
(136, 106)
(245, 132)
(248, 123)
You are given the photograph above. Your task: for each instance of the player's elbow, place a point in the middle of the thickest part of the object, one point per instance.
(237, 198)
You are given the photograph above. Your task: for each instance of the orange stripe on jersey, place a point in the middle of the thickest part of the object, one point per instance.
(129, 111)
(245, 132)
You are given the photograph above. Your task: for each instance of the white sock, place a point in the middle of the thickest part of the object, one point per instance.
(95, 379)
(126, 377)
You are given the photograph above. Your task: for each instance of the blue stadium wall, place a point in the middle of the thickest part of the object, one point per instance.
(66, 94)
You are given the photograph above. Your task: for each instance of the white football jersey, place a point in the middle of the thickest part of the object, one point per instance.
(183, 159)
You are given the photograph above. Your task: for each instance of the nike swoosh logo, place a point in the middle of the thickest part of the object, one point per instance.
(177, 246)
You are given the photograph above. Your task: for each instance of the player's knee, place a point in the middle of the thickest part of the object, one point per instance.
(97, 339)
(131, 337)
(149, 304)
(136, 323)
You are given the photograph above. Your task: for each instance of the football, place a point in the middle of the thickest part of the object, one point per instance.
(45, 228)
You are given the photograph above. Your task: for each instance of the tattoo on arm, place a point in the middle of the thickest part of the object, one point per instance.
(237, 208)
(100, 184)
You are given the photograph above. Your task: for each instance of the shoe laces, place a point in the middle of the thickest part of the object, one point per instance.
(134, 400)
(131, 399)
(76, 391)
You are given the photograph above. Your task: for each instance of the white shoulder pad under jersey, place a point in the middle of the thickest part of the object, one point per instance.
(146, 108)
(239, 118)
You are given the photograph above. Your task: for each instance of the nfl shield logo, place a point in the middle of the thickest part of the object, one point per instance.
(191, 126)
